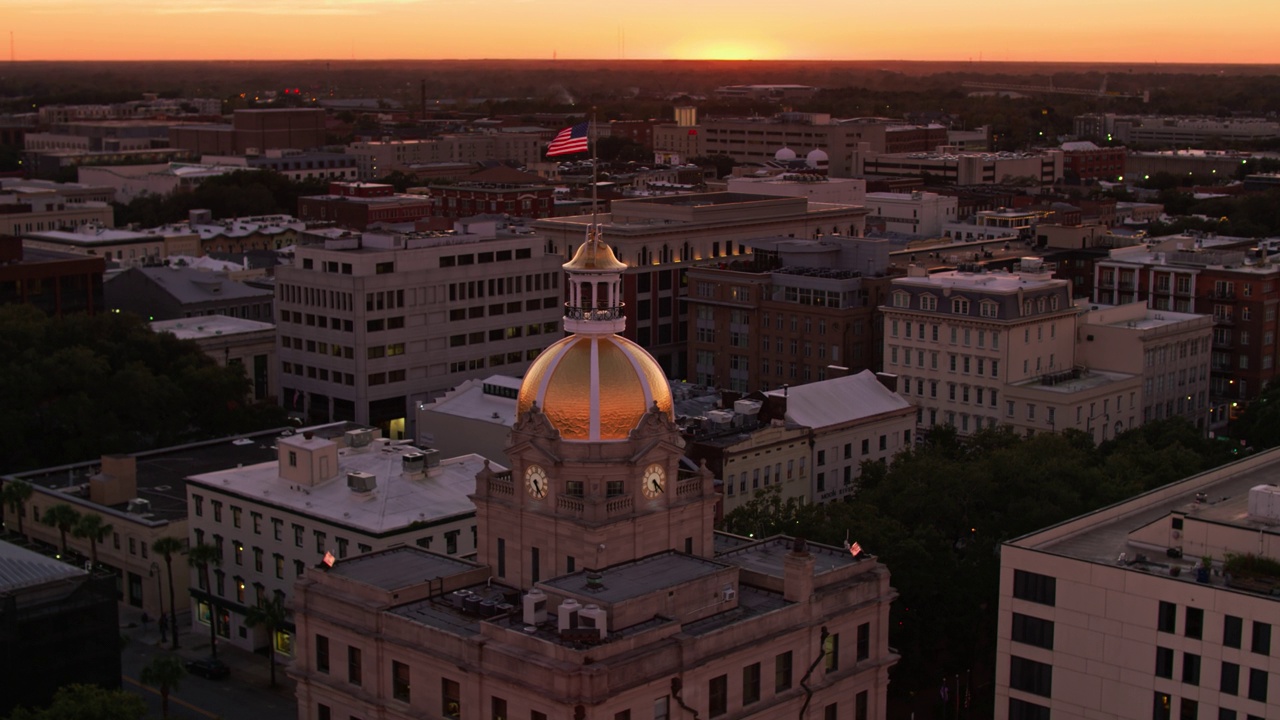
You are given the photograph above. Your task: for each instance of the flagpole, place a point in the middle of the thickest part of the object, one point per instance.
(595, 183)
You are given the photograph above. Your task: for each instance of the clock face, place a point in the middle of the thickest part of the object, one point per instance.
(535, 481)
(654, 481)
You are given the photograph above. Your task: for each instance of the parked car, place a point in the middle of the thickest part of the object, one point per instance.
(211, 668)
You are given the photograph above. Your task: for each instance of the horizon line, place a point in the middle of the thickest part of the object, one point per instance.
(969, 61)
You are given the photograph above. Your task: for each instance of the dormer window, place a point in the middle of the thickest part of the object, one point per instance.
(901, 299)
(989, 308)
(1026, 308)
(960, 306)
(928, 302)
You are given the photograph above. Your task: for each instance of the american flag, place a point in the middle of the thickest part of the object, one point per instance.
(569, 140)
(855, 549)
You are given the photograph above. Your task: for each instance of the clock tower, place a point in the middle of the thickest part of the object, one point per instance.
(595, 475)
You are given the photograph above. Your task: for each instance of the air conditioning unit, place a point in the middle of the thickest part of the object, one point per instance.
(359, 438)
(728, 593)
(534, 605)
(138, 506)
(432, 458)
(595, 618)
(413, 462)
(567, 614)
(361, 481)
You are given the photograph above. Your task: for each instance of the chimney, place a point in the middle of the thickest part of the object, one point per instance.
(837, 371)
(797, 583)
(117, 482)
(888, 380)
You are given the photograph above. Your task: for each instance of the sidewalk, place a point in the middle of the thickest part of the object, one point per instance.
(247, 668)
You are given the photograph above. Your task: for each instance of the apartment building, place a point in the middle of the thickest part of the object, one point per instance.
(961, 168)
(1239, 290)
(978, 349)
(370, 325)
(1168, 350)
(660, 238)
(335, 491)
(357, 205)
(56, 282)
(797, 307)
(917, 213)
(600, 589)
(379, 158)
(1160, 606)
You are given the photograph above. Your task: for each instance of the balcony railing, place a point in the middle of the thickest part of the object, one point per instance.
(502, 484)
(579, 313)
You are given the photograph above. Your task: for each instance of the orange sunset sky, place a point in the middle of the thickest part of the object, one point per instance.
(1167, 31)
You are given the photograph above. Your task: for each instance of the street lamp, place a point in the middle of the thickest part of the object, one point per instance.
(155, 572)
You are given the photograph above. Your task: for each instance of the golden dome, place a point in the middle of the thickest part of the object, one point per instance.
(595, 255)
(595, 387)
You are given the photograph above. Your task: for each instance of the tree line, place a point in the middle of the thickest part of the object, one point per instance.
(939, 513)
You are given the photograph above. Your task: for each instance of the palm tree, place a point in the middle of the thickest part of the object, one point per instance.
(164, 672)
(92, 528)
(15, 495)
(62, 516)
(271, 615)
(168, 547)
(201, 557)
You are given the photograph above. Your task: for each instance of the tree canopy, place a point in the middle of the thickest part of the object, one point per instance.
(937, 517)
(237, 194)
(87, 702)
(81, 386)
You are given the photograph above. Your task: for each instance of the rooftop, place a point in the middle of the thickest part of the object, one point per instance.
(398, 501)
(162, 474)
(839, 400)
(188, 285)
(398, 567)
(1218, 496)
(493, 399)
(210, 326)
(637, 578)
(21, 568)
(994, 282)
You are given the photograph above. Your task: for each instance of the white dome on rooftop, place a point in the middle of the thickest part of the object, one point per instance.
(785, 154)
(816, 158)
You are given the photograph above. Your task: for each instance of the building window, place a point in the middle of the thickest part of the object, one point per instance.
(355, 673)
(1032, 631)
(498, 708)
(322, 654)
(718, 696)
(1261, 638)
(864, 642)
(235, 516)
(1188, 709)
(1190, 668)
(782, 672)
(831, 652)
(751, 684)
(399, 681)
(1167, 618)
(1162, 707)
(297, 536)
(1194, 623)
(323, 712)
(1023, 710)
(1030, 676)
(1229, 681)
(450, 698)
(198, 501)
(1257, 684)
(831, 712)
(1034, 587)
(1164, 663)
(860, 706)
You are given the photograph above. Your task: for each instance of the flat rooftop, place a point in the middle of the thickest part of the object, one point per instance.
(21, 568)
(1219, 496)
(398, 567)
(162, 474)
(471, 400)
(210, 326)
(766, 556)
(638, 578)
(1006, 282)
(398, 501)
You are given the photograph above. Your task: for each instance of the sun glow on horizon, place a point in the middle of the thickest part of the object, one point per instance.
(727, 50)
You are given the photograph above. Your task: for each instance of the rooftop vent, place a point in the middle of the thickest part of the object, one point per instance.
(359, 438)
(138, 506)
(413, 463)
(361, 481)
(431, 457)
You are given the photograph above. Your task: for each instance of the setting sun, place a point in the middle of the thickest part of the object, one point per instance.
(728, 50)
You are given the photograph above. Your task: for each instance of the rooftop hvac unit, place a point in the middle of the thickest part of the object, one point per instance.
(535, 607)
(359, 438)
(361, 481)
(138, 506)
(413, 462)
(432, 458)
(728, 593)
(594, 617)
(567, 614)
(459, 598)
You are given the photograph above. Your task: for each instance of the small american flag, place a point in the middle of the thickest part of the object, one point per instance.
(569, 140)
(855, 549)
(329, 559)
